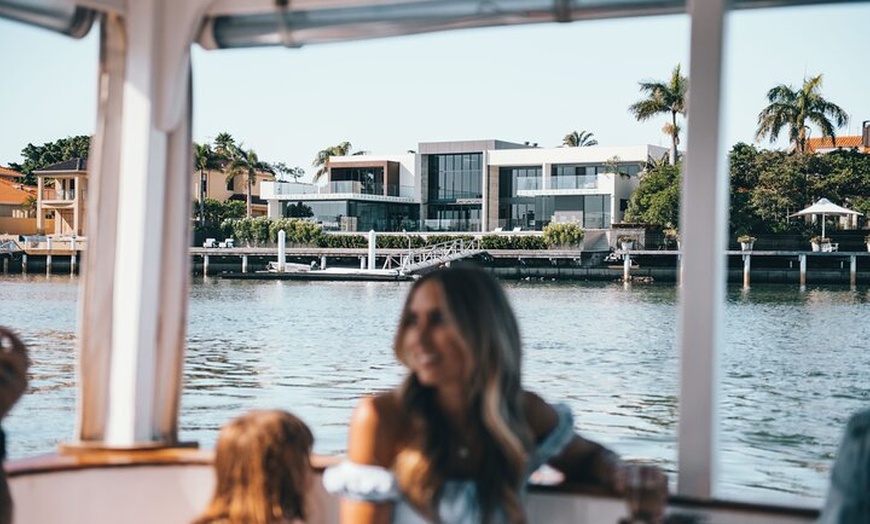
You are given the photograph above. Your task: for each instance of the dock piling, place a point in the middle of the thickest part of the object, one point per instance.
(245, 263)
(205, 265)
(626, 268)
(746, 265)
(803, 269)
(853, 270)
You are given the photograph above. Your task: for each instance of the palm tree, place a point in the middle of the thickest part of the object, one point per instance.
(204, 158)
(793, 108)
(225, 146)
(321, 161)
(664, 97)
(581, 139)
(282, 168)
(248, 164)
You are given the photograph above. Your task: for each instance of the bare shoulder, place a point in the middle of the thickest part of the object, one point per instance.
(375, 429)
(540, 415)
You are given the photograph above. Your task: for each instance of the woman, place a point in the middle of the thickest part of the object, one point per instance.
(457, 441)
(263, 470)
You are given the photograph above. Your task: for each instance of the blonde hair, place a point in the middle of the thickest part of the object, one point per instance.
(477, 307)
(262, 468)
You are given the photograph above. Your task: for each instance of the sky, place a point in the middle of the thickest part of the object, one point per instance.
(531, 83)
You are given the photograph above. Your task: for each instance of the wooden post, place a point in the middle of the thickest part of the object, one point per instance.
(323, 262)
(362, 262)
(5, 265)
(746, 264)
(853, 270)
(24, 263)
(803, 259)
(244, 263)
(204, 265)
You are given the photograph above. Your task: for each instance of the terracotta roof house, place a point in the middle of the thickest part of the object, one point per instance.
(826, 145)
(9, 174)
(63, 193)
(12, 199)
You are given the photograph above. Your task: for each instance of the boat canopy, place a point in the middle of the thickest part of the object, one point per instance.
(130, 367)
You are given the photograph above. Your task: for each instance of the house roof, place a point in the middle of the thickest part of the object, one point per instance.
(843, 142)
(74, 164)
(14, 193)
(5, 172)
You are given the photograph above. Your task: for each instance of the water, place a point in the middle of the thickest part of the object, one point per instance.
(794, 366)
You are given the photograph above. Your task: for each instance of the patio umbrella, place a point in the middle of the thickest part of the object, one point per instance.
(825, 207)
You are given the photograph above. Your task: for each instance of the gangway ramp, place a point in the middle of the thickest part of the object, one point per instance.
(438, 254)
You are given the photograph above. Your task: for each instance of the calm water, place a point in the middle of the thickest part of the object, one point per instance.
(795, 365)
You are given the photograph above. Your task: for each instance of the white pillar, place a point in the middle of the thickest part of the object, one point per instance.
(705, 193)
(133, 312)
(853, 270)
(746, 264)
(282, 250)
(372, 242)
(48, 242)
(244, 263)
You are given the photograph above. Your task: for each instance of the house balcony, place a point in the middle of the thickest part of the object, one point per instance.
(560, 185)
(349, 190)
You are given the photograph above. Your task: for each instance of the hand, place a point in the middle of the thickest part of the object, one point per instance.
(645, 489)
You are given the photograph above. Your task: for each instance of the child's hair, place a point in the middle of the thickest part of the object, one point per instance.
(263, 470)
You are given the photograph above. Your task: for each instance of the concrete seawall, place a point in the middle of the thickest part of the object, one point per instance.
(781, 267)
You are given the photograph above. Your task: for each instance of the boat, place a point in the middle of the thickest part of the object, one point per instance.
(125, 463)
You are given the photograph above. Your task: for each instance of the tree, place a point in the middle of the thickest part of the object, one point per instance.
(283, 169)
(664, 97)
(204, 158)
(246, 163)
(792, 109)
(321, 161)
(657, 198)
(37, 157)
(225, 146)
(579, 139)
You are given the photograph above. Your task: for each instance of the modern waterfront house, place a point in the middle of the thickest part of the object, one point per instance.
(472, 185)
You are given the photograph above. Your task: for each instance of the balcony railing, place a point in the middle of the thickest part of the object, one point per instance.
(345, 187)
(574, 182)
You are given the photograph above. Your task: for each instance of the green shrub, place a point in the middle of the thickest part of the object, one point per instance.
(563, 235)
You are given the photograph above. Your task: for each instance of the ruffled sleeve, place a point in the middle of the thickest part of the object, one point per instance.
(361, 482)
(556, 440)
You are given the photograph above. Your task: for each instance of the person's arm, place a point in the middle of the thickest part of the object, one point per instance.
(371, 441)
(581, 460)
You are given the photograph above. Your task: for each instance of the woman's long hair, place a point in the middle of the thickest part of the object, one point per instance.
(263, 470)
(476, 305)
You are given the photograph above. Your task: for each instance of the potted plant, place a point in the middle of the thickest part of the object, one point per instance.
(820, 243)
(626, 242)
(672, 236)
(746, 242)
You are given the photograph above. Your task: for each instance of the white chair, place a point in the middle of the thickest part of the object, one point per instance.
(210, 243)
(497, 230)
(517, 229)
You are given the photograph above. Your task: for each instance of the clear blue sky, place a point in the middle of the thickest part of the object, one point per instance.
(533, 83)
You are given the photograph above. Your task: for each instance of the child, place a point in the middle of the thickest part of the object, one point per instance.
(263, 470)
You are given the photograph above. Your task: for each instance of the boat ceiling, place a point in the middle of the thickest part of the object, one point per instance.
(294, 23)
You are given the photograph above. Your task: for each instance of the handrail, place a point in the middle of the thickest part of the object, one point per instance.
(440, 253)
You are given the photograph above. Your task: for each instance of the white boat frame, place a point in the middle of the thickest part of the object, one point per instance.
(132, 322)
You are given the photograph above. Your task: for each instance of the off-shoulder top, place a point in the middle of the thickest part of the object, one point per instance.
(458, 503)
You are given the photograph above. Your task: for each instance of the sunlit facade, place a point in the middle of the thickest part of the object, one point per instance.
(474, 185)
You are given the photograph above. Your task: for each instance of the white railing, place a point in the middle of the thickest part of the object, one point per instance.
(438, 254)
